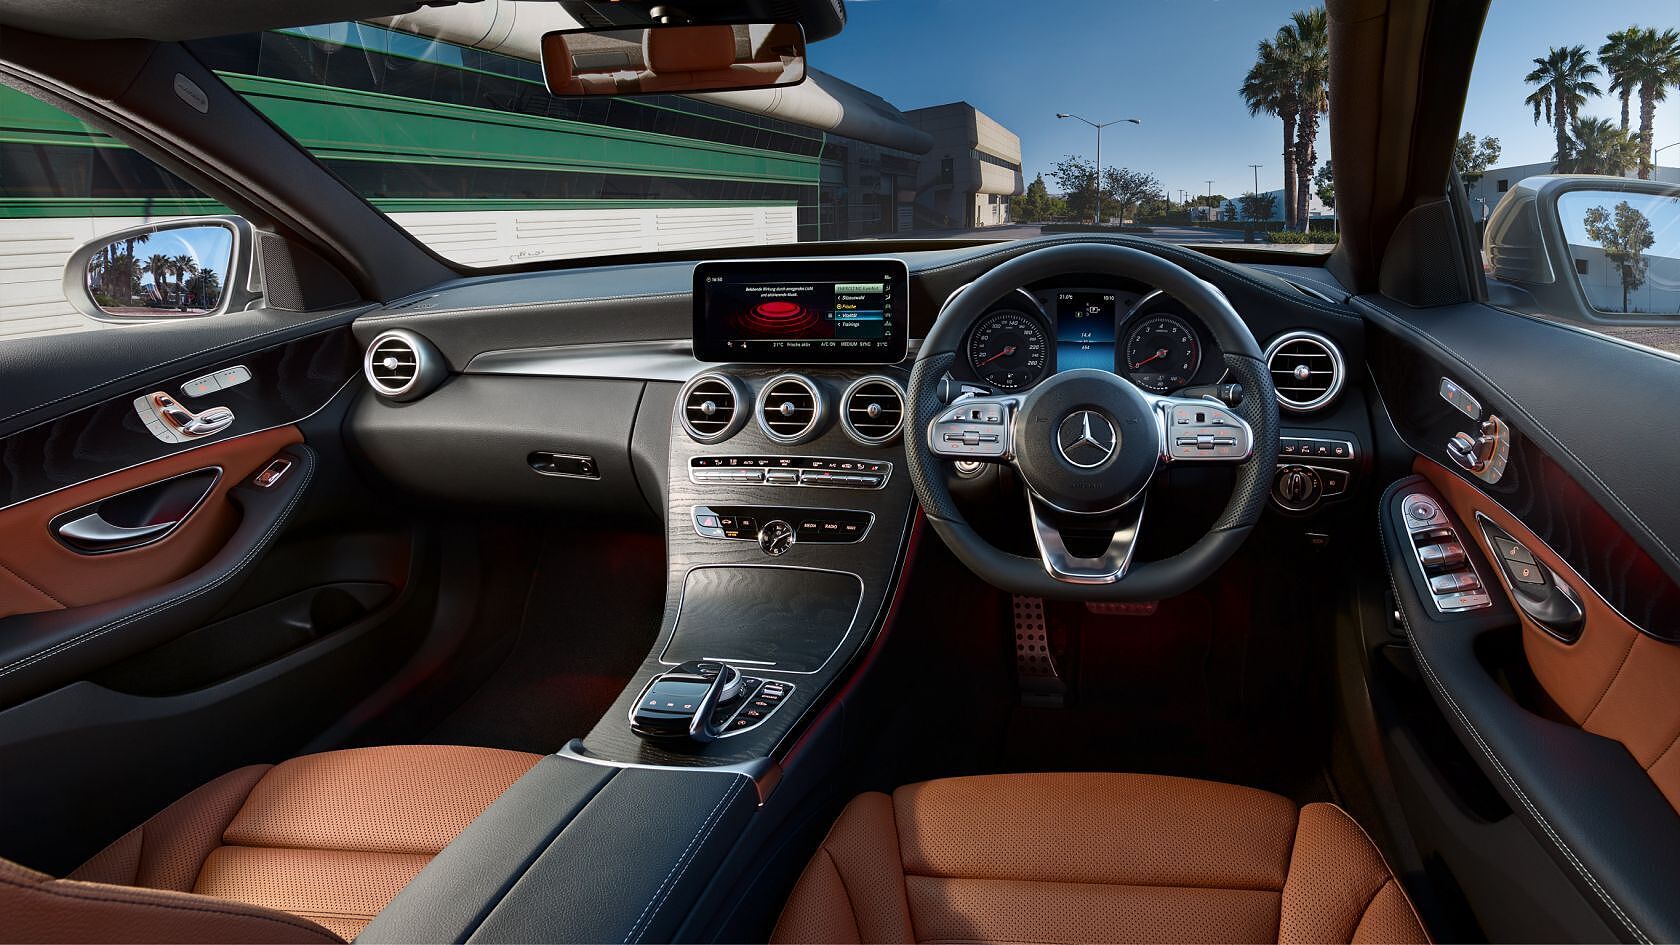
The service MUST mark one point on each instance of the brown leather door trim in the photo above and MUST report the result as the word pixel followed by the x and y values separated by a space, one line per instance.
pixel 50 576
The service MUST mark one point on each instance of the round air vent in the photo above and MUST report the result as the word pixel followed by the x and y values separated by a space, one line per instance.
pixel 872 410
pixel 1307 370
pixel 712 407
pixel 401 365
pixel 790 408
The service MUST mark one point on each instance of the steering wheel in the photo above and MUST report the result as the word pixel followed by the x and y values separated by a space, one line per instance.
pixel 1087 442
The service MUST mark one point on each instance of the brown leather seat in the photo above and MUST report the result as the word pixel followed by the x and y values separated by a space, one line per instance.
pixel 1094 858
pixel 308 850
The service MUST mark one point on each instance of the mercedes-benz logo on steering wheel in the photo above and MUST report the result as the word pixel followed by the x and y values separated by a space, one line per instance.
pixel 1087 439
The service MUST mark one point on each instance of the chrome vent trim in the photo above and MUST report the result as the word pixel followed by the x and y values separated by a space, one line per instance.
pixel 401 365
pixel 712 407
pixel 791 408
pixel 872 410
pixel 1307 370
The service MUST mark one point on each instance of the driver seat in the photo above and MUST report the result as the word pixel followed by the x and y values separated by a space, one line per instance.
pixel 1094 858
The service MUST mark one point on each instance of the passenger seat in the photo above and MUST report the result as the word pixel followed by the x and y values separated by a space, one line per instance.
pixel 309 850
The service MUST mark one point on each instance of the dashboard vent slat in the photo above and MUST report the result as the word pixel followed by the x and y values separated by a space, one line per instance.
pixel 872 410
pixel 401 365
pixel 1306 369
pixel 790 408
pixel 710 407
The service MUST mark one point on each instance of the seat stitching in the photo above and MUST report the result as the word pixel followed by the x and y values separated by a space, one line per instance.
pixel 1393 877
pixel 673 875
pixel 1216 887
pixel 1655 761
pixel 259 547
pixel 1487 751
pixel 86 895
pixel 845 890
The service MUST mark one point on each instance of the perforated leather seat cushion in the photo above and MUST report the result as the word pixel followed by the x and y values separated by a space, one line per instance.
pixel 1094 858
pixel 331 837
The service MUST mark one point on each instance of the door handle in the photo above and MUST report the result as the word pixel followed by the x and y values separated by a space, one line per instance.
pixel 93 532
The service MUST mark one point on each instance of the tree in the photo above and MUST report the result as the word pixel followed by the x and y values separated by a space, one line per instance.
pixel 1562 81
pixel 1653 62
pixel 1229 211
pixel 159 266
pixel 1618 54
pixel 1269 87
pixel 1121 187
pixel 1037 205
pixel 185 268
pixel 1597 146
pixel 1305 44
pixel 1258 207
pixel 1326 181
pixel 1473 158
pixel 1624 237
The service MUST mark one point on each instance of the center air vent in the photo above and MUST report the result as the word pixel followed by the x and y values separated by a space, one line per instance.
pixel 1307 370
pixel 872 410
pixel 790 408
pixel 712 407
pixel 401 365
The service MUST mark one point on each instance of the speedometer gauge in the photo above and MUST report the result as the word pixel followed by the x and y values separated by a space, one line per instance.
pixel 1162 353
pixel 1008 350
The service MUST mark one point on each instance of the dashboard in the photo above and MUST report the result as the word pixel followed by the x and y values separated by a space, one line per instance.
pixel 1135 331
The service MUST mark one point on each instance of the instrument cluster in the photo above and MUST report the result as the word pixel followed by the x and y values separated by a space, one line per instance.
pixel 1145 336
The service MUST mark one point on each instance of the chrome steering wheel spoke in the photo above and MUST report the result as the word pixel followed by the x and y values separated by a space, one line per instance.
pixel 1109 565
pixel 1201 430
pixel 975 428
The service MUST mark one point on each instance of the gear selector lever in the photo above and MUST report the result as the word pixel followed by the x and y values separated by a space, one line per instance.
pixel 681 702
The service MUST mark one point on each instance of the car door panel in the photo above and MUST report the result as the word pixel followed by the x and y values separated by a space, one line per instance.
pixel 59 577
pixel 1578 735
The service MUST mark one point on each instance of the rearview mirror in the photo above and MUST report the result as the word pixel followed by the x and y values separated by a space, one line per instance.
pixel 180 269
pixel 673 59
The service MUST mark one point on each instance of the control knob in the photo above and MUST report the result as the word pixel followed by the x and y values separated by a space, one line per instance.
pixel 1297 488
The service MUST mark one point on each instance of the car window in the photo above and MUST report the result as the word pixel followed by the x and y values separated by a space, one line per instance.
pixel 62 184
pixel 1570 157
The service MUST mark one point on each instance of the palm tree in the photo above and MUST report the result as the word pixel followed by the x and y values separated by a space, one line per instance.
pixel 1305 44
pixel 159 266
pixel 1618 54
pixel 1562 80
pixel 1270 88
pixel 1654 65
pixel 184 266
pixel 1597 146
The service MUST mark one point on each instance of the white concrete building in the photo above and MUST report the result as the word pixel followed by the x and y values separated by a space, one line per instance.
pixel 971 171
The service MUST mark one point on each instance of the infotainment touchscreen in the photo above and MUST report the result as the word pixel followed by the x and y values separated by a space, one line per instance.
pixel 809 311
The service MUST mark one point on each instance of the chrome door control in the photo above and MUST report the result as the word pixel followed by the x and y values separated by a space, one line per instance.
pixel 169 421
pixel 220 380
pixel 1454 585
pixel 273 473
pixel 1461 399
pixel 1485 453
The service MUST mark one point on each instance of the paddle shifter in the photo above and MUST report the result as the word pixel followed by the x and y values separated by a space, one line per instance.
pixel 702 700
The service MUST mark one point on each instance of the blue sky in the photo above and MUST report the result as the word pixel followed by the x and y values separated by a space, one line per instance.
pixel 1177 64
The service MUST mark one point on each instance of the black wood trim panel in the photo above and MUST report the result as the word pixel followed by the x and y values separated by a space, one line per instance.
pixel 1535 488
pixel 289 381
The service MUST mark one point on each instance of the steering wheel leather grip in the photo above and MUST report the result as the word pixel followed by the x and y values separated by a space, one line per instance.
pixel 1147 581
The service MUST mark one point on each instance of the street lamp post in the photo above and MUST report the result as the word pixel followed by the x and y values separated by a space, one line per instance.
pixel 1256 176
pixel 1096 215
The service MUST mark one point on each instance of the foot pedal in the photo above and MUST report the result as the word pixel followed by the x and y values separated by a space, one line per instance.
pixel 1035 663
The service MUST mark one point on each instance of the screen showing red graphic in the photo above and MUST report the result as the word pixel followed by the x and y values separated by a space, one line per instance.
pixel 843 311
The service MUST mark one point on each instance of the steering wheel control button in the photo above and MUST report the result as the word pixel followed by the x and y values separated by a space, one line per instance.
pixel 777 538
pixel 972 429
pixel 1203 430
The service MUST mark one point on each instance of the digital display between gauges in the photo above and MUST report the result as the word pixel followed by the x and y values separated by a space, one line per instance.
pixel 1085 330
pixel 1008 350
pixel 1162 353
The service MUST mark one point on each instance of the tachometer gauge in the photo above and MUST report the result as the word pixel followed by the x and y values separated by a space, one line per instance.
pixel 1162 353
pixel 1008 350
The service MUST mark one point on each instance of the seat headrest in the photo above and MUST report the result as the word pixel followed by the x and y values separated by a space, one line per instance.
pixel 689 49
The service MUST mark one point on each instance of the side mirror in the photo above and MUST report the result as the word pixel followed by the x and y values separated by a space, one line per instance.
pixel 1589 248
pixel 180 269
pixel 659 59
